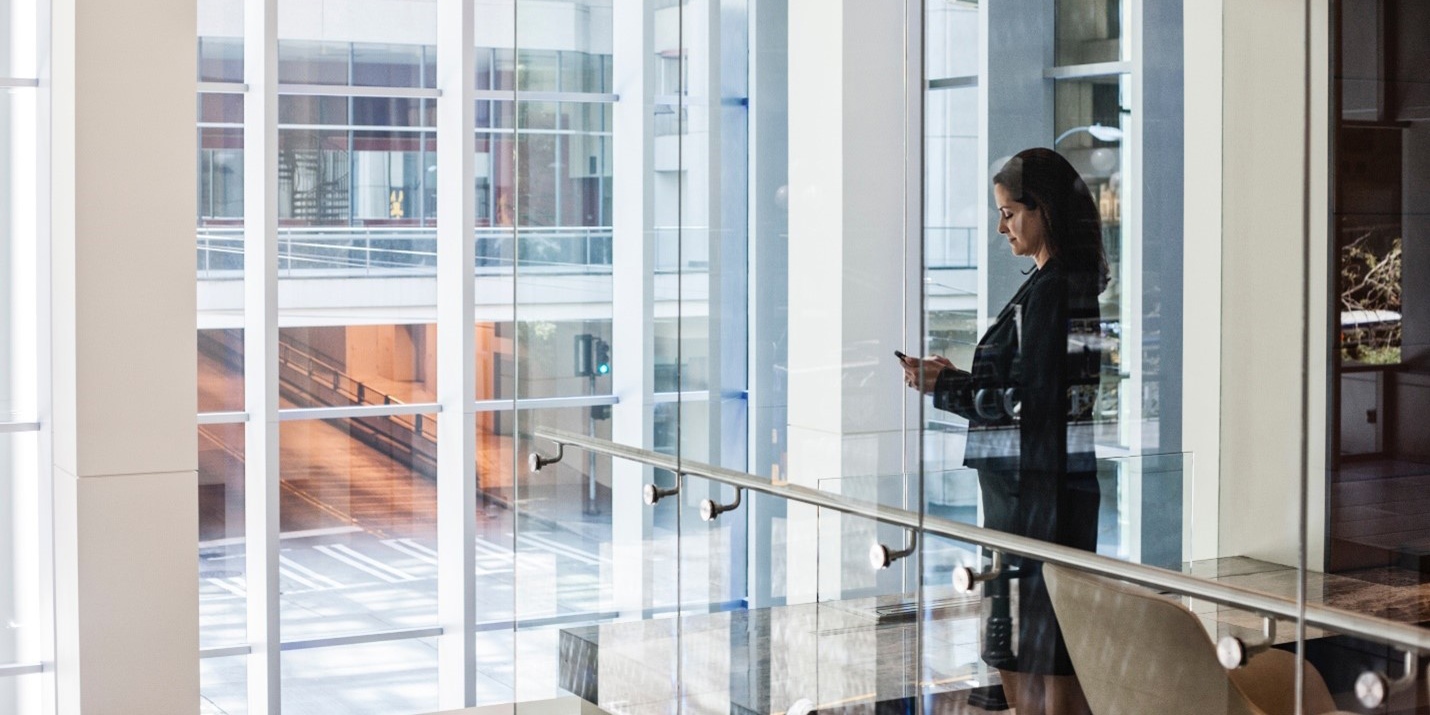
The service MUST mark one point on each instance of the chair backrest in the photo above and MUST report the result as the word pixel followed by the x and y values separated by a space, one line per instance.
pixel 1136 652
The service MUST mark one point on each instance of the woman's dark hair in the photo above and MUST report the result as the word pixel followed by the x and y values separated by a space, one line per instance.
pixel 1042 179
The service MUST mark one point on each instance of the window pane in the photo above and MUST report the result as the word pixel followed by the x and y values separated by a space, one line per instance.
pixel 308 62
pixel 387 65
pixel 1091 31
pixel 24 635
pixel 223 686
pixel 19 570
pixel 222 568
pixel 396 678
pixel 358 515
pixel 309 110
pixel 220 59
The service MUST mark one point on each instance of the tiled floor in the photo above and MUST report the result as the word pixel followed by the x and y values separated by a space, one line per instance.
pixel 1380 515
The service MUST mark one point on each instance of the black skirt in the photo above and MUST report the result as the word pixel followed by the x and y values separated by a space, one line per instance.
pixel 1057 508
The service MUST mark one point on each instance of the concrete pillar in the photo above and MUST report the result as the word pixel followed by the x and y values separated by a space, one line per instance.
pixel 121 87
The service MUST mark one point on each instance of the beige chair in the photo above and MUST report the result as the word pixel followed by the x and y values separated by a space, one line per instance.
pixel 1139 653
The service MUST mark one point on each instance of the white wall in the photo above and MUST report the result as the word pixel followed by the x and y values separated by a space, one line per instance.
pixel 1263 261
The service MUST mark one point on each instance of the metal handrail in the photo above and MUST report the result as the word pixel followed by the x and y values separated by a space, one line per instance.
pixel 1373 628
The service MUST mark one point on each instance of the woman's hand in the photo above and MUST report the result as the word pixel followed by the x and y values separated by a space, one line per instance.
pixel 922 373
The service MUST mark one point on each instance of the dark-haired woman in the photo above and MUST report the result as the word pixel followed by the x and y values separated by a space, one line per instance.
pixel 1028 398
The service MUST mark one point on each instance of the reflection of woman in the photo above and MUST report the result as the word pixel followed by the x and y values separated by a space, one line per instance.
pixel 1027 397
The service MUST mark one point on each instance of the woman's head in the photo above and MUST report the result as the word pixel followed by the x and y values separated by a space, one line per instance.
pixel 1045 208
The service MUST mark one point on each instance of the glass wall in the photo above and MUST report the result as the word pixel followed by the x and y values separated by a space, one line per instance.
pixel 663 272
pixel 26 634
pixel 1376 323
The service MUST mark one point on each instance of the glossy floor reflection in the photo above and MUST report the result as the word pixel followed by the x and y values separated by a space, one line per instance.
pixel 844 654
pixel 870 653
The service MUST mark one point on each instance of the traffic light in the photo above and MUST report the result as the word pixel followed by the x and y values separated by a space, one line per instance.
pixel 593 356
pixel 583 355
pixel 601 361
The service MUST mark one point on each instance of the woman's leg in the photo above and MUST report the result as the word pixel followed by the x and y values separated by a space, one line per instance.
pixel 1013 681
pixel 1063 695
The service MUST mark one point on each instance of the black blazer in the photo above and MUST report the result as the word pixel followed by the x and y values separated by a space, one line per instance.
pixel 1030 391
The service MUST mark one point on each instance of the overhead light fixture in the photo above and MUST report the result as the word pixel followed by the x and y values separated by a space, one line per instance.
pixel 1098 131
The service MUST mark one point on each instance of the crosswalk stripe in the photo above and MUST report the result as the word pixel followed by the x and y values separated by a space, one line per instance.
pixel 418 546
pixel 397 545
pixel 225 585
pixel 310 573
pixel 292 575
pixel 362 563
pixel 493 549
pixel 560 548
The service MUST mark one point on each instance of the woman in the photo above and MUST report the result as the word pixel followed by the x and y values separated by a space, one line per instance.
pixel 1028 400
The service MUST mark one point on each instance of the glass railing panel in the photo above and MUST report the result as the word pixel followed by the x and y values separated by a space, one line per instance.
pixel 970 642
pixel 562 579
pixel 856 644
pixel 596 579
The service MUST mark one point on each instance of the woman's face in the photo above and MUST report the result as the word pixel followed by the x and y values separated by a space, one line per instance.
pixel 1024 227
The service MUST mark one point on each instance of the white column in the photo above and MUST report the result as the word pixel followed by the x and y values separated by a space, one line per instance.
pixel 260 349
pixel 633 302
pixel 121 84
pixel 456 378
pixel 1262 273
pixel 767 281
pixel 846 262
pixel 1202 262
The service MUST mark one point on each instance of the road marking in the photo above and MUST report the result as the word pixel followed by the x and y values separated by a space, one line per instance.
pixel 236 540
pixel 352 558
pixel 225 585
pixel 310 573
pixel 410 550
pixel 560 548
pixel 493 549
pixel 419 546
pixel 293 576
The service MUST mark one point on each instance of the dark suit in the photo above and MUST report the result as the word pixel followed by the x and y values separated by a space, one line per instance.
pixel 1028 400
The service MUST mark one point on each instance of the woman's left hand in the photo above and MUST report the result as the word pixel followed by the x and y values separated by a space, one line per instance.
pixel 922 373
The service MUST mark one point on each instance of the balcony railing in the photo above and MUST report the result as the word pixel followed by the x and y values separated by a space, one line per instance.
pixel 388 251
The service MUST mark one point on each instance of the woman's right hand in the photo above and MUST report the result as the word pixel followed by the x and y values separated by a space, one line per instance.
pixel 922 373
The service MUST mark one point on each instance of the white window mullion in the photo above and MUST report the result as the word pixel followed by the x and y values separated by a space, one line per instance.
pixel 261 471
pixel 456 362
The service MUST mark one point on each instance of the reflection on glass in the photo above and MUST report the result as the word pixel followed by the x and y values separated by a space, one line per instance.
pixel 23 635
pixel 1379 458
pixel 562 161
pixel 1030 397
pixel 1091 31
pixel 220 370
pixel 222 568
pixel 354 365
pixel 593 566
pixel 372 679
pixel 358 505
pixel 223 685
